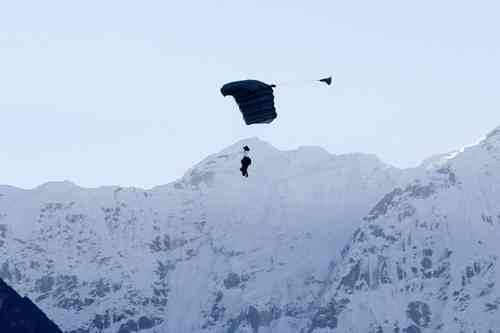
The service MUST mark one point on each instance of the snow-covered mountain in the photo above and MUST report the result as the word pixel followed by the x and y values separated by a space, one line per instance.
pixel 310 242
pixel 425 258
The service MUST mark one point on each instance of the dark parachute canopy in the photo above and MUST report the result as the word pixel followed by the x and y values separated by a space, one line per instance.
pixel 255 99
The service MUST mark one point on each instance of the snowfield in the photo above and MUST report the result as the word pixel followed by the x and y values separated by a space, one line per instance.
pixel 310 242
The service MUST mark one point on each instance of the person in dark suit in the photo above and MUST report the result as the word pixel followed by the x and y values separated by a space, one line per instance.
pixel 245 162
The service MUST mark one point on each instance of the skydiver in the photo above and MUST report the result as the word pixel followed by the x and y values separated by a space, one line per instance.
pixel 245 162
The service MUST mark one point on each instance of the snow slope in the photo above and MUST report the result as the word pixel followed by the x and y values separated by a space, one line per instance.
pixel 425 258
pixel 309 242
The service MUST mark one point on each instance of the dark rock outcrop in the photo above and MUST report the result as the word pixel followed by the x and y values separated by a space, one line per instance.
pixel 19 315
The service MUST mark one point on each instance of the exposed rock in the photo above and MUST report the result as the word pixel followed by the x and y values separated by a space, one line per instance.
pixel 19 315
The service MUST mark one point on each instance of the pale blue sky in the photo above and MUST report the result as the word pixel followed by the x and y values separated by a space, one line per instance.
pixel 127 92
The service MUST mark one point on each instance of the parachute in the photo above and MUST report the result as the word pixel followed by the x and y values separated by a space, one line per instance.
pixel 256 99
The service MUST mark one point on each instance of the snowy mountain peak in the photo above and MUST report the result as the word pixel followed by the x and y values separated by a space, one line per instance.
pixel 489 142
pixel 437 161
pixel 271 164
pixel 309 242
pixel 494 133
pixel 255 144
pixel 57 186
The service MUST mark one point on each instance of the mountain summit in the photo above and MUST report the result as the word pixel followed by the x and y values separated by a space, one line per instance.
pixel 310 242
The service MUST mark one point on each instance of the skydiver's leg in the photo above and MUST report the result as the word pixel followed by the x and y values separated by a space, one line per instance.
pixel 243 169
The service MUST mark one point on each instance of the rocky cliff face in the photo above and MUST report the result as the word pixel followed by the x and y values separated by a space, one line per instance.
pixel 19 315
pixel 425 258
pixel 310 242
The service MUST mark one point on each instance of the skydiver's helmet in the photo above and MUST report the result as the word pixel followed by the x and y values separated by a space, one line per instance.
pixel 246 149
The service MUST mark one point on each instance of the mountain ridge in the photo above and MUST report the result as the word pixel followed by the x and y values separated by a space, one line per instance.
pixel 255 141
pixel 299 246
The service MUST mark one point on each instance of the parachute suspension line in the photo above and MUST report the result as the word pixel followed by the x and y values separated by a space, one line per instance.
pixel 327 80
